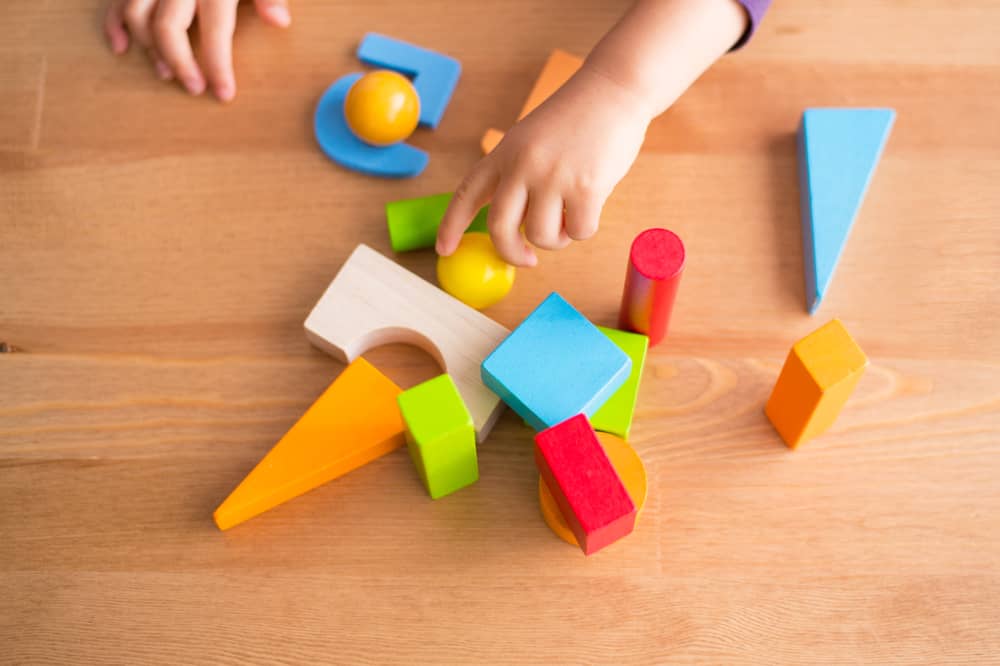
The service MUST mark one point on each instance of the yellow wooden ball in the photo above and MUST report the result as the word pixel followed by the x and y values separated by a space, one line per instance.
pixel 382 108
pixel 475 274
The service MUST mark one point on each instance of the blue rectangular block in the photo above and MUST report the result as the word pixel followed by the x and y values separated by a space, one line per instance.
pixel 555 365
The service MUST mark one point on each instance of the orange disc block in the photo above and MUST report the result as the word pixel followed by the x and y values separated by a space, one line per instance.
pixel 629 467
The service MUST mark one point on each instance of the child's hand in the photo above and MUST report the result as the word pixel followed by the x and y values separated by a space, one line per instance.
pixel 161 26
pixel 553 171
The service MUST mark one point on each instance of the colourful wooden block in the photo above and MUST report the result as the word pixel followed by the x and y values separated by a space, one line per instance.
pixel 557 70
pixel 491 138
pixel 434 75
pixel 630 469
pixel 475 273
pixel 584 483
pixel 818 377
pixel 838 152
pixel 374 301
pixel 655 266
pixel 353 422
pixel 413 223
pixel 339 143
pixel 615 416
pixel 440 436
pixel 555 365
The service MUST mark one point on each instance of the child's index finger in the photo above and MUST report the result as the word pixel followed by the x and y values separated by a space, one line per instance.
pixel 474 193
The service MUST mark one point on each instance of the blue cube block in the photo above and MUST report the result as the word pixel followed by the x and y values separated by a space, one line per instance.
pixel 555 365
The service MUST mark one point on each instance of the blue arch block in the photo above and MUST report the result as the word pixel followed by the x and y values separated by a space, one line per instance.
pixel 343 147
pixel 434 75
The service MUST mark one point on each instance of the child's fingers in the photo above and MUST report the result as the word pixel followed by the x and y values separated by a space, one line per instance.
pixel 114 27
pixel 163 71
pixel 170 28
pixel 474 193
pixel 216 23
pixel 504 222
pixel 583 214
pixel 138 17
pixel 274 12
pixel 543 222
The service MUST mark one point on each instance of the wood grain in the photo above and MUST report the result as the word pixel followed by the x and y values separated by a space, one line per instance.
pixel 22 80
pixel 158 255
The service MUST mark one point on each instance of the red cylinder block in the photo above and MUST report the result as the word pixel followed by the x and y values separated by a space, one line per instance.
pixel 656 262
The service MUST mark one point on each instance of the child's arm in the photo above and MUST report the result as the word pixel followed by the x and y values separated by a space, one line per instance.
pixel 161 27
pixel 555 169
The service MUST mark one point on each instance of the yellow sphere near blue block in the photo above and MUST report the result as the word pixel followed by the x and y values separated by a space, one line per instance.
pixel 475 274
pixel 382 108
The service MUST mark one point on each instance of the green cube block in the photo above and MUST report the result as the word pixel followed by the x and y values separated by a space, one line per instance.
pixel 440 436
pixel 615 416
pixel 413 223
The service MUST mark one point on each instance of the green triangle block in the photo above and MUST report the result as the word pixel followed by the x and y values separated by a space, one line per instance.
pixel 615 416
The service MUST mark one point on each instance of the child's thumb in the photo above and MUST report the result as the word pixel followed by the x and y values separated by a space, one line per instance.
pixel 274 12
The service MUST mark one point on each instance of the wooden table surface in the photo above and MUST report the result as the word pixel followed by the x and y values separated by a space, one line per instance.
pixel 158 255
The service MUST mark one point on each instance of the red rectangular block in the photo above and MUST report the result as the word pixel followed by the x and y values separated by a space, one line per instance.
pixel 584 483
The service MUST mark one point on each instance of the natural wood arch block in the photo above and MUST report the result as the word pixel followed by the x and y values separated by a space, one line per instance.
pixel 374 301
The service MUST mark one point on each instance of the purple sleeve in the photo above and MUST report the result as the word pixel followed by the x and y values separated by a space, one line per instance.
pixel 755 9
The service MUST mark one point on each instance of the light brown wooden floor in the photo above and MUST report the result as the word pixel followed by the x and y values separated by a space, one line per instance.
pixel 158 255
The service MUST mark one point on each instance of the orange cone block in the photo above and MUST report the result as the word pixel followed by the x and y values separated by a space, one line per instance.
pixel 355 421
pixel 818 377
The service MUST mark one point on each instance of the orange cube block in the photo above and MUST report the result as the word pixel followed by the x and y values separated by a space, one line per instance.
pixel 818 377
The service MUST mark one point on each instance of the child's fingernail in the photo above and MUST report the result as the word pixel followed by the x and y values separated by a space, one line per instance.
pixel 118 44
pixel 163 70
pixel 225 91
pixel 280 15
pixel 195 85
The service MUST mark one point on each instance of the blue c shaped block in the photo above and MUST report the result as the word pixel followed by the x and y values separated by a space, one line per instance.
pixel 434 75
pixel 343 147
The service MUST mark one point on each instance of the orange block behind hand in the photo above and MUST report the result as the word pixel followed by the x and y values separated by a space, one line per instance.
pixel 557 70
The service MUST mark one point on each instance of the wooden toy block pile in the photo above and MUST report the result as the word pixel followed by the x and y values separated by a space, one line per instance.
pixel 557 370
pixel 574 383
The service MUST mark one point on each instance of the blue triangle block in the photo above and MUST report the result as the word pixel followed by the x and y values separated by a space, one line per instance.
pixel 838 152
